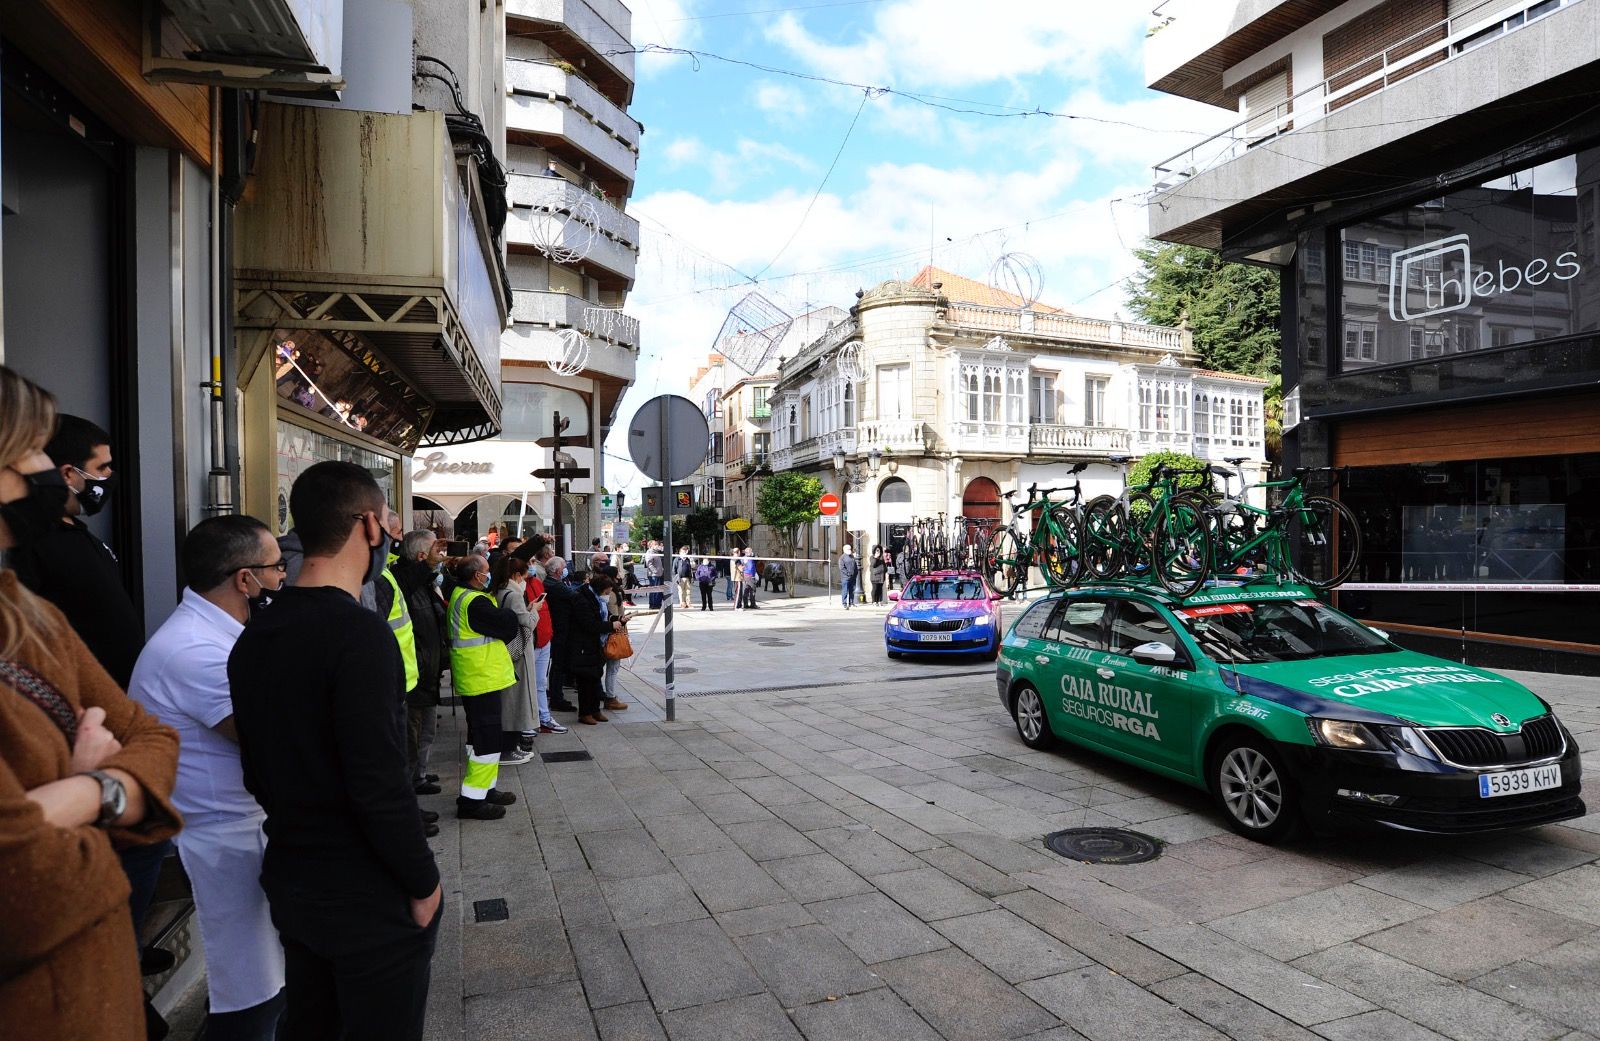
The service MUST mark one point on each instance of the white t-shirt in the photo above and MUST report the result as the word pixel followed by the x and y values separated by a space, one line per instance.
pixel 182 679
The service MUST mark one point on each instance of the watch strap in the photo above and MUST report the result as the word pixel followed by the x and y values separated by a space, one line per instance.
pixel 111 807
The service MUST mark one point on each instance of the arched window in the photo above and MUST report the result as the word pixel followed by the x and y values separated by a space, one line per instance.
pixel 894 502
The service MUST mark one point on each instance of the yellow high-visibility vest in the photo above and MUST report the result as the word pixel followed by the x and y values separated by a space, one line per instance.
pixel 478 664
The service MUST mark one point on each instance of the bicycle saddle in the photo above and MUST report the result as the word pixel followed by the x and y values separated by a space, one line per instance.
pixel 1222 471
pixel 1119 458
pixel 1237 460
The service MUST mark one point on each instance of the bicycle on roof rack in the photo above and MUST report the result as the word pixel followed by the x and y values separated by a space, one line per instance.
pixel 1054 543
pixel 1147 531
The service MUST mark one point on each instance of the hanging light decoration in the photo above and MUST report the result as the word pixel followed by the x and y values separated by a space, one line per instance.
pixel 750 335
pixel 574 353
pixel 1019 275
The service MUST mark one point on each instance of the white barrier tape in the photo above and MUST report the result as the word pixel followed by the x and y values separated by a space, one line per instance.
pixel 635 557
pixel 1466 587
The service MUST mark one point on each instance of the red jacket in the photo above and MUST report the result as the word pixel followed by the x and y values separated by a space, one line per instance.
pixel 543 631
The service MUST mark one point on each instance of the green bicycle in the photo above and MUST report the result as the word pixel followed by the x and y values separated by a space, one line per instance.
pixel 1055 542
pixel 1146 531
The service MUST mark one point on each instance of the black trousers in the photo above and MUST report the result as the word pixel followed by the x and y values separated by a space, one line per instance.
pixel 356 967
pixel 483 723
pixel 705 596
pixel 877 592
pixel 589 691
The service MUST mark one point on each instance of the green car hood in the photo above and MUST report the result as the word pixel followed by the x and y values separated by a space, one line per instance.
pixel 1403 684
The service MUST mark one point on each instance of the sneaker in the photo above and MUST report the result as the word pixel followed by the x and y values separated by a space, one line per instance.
pixel 550 726
pixel 478 810
pixel 500 798
pixel 515 757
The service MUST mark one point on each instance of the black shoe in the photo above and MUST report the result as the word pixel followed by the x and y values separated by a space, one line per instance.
pixel 563 706
pixel 430 830
pixel 427 788
pixel 429 816
pixel 500 798
pixel 478 810
pixel 432 778
pixel 153 961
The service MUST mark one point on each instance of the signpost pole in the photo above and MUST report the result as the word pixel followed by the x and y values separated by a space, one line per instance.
pixel 827 559
pixel 555 464
pixel 667 547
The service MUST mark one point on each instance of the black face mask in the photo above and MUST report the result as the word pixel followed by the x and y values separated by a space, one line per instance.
pixel 377 560
pixel 38 513
pixel 96 490
pixel 262 600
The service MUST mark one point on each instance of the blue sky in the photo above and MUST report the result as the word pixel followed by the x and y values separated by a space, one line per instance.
pixel 734 156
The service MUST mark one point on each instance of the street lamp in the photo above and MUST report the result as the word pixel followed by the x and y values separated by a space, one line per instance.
pixel 858 474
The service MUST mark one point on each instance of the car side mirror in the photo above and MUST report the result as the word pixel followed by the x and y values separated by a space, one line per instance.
pixel 1154 653
pixel 893 595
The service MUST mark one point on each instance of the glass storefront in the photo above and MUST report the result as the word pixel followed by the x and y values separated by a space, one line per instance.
pixel 336 376
pixel 527 411
pixel 299 447
pixel 1507 261
pixel 1517 522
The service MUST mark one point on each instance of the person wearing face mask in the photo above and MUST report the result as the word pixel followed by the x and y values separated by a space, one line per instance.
pixel 82 768
pixel 69 565
pixel 509 586
pixel 351 882
pixel 232 565
pixel 421 555
pixel 481 673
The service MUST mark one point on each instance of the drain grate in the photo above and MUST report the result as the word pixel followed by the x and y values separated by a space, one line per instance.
pixel 1103 845
pixel 565 757
pixel 490 910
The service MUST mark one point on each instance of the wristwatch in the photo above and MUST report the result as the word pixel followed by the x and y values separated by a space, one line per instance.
pixel 113 798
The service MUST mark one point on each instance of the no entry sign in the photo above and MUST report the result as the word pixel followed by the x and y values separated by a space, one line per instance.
pixel 828 505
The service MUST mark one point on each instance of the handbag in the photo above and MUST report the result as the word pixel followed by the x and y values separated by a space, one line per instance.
pixel 617 647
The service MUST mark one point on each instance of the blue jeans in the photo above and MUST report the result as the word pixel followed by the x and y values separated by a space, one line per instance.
pixel 847 593
pixel 727 585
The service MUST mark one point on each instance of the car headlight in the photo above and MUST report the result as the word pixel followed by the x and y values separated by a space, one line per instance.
pixel 1346 733
pixel 894 622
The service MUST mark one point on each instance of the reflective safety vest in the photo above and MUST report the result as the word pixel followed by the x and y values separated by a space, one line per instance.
pixel 400 624
pixel 478 664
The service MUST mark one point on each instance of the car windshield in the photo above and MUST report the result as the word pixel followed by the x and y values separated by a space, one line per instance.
pixel 944 589
pixel 1279 630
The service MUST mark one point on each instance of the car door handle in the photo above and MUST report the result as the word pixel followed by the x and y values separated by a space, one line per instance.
pixel 1042 659
pixel 1104 673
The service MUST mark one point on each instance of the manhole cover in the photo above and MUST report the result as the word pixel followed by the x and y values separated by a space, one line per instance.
pixel 773 643
pixel 863 668
pixel 565 757
pixel 1103 845
pixel 678 670
pixel 494 910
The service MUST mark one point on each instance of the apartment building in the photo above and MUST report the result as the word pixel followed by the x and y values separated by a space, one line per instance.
pixel 705 390
pixel 1425 175
pixel 935 396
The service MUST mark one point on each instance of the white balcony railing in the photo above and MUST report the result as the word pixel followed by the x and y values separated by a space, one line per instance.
pixel 563 311
pixel 603 25
pixel 841 440
pixel 559 195
pixel 904 436
pixel 1070 327
pixel 989 438
pixel 546 99
pixel 1055 439
pixel 1441 42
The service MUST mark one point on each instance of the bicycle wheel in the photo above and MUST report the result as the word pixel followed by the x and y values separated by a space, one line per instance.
pixel 1105 527
pixel 1063 548
pixel 1140 535
pixel 1005 562
pixel 1181 547
pixel 1324 542
pixel 1231 531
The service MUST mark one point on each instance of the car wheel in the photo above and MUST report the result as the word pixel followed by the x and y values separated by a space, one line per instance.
pixel 1254 790
pixel 1033 725
pixel 994 650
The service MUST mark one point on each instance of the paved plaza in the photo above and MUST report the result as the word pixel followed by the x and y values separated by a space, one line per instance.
pixel 843 853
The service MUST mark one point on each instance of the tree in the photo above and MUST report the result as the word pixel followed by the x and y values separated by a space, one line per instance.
pixel 702 525
pixel 647 526
pixel 1232 309
pixel 786 501
pixel 1188 465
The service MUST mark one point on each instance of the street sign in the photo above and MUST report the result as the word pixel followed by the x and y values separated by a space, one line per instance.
pixel 828 520
pixel 828 504
pixel 568 473
pixel 667 438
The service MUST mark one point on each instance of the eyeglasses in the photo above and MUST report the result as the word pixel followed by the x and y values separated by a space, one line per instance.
pixel 281 567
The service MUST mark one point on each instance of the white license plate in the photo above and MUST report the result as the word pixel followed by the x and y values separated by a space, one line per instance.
pixel 1515 782
pixel 936 638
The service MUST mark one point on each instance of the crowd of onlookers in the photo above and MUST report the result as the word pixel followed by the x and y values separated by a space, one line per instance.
pixel 275 730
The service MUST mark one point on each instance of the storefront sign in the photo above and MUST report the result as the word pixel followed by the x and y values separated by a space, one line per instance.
pixel 1448 281
pixel 438 463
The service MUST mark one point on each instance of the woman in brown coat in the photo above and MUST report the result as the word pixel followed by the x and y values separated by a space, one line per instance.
pixel 68 960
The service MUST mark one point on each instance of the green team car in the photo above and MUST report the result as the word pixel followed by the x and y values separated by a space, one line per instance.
pixel 1286 711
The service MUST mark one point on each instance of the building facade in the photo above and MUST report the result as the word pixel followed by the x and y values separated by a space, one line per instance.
pixel 1422 179
pixel 918 403
pixel 710 480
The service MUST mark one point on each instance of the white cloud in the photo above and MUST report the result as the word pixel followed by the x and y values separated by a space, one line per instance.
pixel 781 101
pixel 683 151
pixel 670 23
pixel 942 43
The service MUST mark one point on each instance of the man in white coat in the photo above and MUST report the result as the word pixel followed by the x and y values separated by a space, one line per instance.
pixel 232 566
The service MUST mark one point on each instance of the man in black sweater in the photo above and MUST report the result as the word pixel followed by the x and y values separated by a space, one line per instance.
pixel 316 680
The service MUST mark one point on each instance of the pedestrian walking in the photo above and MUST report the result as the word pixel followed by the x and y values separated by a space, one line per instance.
pixel 878 573
pixel 518 722
pixel 481 673
pixel 232 563
pixel 747 596
pixel 849 571
pixel 316 684
pixel 705 576
pixel 683 571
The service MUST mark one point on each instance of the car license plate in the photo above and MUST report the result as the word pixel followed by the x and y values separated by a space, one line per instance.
pixel 936 638
pixel 1515 782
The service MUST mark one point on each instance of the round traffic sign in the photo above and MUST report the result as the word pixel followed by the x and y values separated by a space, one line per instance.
pixel 678 422
pixel 828 505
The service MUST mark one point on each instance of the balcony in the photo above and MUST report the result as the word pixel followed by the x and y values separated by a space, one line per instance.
pixel 1078 329
pixel 901 436
pixel 563 311
pixel 1051 439
pixel 548 102
pixel 523 342
pixel 555 213
pixel 1382 117
pixel 600 29
pixel 989 437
